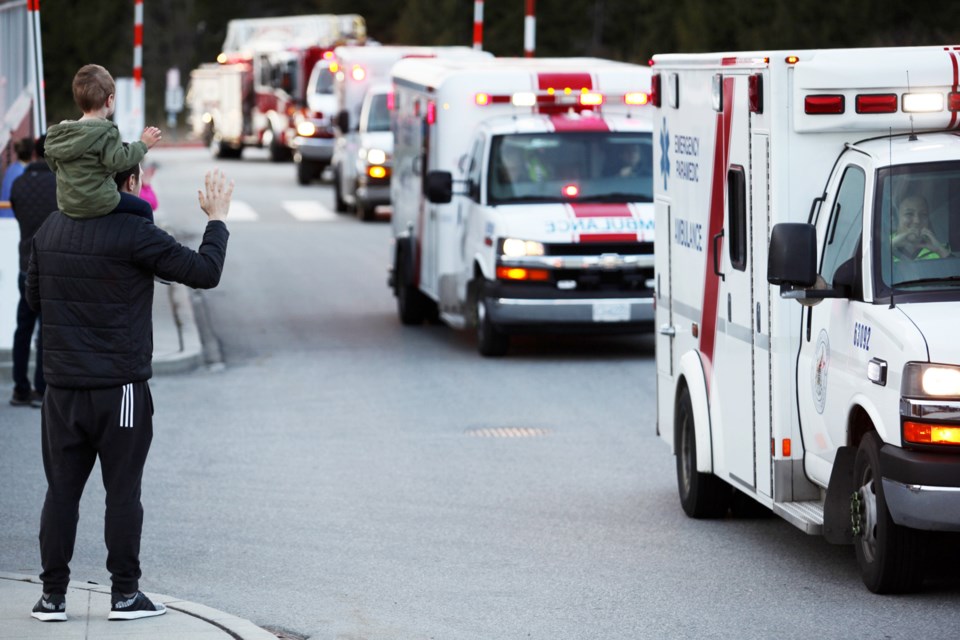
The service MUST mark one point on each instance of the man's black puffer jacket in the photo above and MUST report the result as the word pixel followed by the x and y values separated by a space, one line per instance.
pixel 92 281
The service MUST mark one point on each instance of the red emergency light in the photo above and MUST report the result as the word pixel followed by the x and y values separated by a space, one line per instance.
pixel 877 103
pixel 755 93
pixel 655 90
pixel 391 101
pixel 431 112
pixel 823 104
pixel 953 101
pixel 571 190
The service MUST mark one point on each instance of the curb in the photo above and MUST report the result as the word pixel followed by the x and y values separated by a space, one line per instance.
pixel 237 627
pixel 189 355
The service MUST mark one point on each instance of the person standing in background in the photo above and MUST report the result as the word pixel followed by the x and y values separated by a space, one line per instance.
pixel 146 188
pixel 24 150
pixel 33 197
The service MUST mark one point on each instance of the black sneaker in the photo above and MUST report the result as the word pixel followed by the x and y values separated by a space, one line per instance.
pixel 21 398
pixel 134 607
pixel 36 399
pixel 52 609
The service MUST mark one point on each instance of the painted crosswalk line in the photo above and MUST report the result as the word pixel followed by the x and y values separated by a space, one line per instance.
pixel 308 211
pixel 240 211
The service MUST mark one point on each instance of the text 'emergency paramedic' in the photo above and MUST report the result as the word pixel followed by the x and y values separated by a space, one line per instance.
pixel 687 146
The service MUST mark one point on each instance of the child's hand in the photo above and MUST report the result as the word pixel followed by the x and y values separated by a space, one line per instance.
pixel 151 136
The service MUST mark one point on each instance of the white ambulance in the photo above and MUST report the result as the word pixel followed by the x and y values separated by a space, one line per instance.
pixel 834 174
pixel 363 148
pixel 522 196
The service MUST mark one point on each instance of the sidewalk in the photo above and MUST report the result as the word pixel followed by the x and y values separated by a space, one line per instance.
pixel 87 609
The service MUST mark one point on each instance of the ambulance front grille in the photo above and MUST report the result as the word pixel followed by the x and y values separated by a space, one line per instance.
pixel 599 248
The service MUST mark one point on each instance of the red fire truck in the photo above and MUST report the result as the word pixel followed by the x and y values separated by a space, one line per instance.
pixel 251 97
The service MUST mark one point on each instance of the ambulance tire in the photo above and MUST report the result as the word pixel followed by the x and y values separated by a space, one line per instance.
pixel 889 555
pixel 278 152
pixel 364 211
pixel 339 204
pixel 702 495
pixel 411 303
pixel 308 171
pixel 491 341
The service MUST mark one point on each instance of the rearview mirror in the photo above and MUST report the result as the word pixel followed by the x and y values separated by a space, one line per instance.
pixel 792 259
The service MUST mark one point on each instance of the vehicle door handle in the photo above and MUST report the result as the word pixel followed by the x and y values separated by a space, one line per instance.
pixel 668 330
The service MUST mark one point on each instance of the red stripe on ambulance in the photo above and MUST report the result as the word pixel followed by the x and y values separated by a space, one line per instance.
pixel 711 290
pixel 587 123
pixel 602 210
pixel 608 237
pixel 956 73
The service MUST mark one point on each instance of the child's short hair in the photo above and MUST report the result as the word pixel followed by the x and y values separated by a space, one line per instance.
pixel 92 86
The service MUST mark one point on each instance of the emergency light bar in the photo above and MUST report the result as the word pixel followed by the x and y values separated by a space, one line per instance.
pixel 867 103
pixel 358 73
pixel 563 99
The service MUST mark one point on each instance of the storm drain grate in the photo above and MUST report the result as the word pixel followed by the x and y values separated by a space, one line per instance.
pixel 507 432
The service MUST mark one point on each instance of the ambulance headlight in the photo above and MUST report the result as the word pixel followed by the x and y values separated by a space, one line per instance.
pixel 306 129
pixel 516 248
pixel 928 380
pixel 376 156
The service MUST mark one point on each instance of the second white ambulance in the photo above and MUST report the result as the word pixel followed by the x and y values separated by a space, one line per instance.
pixel 522 196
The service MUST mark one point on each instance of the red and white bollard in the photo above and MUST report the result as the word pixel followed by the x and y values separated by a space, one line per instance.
pixel 529 29
pixel 36 67
pixel 137 43
pixel 478 24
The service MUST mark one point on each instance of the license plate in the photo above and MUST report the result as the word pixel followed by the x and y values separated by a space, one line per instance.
pixel 611 311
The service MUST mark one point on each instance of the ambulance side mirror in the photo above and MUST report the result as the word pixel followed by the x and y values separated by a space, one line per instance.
pixel 792 259
pixel 439 187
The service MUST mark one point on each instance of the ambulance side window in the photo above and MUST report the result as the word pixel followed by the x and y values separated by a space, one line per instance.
pixel 846 223
pixel 475 170
pixel 737 217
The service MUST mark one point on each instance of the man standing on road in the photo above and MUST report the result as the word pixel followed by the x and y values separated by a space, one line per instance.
pixel 33 198
pixel 92 279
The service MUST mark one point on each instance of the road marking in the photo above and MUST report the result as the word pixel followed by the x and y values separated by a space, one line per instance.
pixel 309 211
pixel 240 211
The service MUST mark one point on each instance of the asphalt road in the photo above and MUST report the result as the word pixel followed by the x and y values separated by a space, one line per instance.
pixel 340 475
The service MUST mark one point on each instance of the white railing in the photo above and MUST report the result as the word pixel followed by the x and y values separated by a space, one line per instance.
pixel 14 66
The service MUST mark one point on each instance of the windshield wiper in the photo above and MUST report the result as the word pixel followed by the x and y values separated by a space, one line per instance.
pixel 922 281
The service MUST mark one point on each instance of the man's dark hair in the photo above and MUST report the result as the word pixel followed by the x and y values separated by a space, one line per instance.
pixel 39 145
pixel 24 149
pixel 121 177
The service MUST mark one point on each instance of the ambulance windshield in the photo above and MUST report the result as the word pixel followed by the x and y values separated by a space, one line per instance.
pixel 594 166
pixel 321 80
pixel 917 227
pixel 377 114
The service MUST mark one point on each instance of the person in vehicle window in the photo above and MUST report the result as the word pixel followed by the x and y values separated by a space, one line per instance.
pixel 632 164
pixel 914 239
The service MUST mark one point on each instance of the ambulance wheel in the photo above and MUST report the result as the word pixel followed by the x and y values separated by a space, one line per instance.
pixel 339 203
pixel 307 172
pixel 278 152
pixel 702 495
pixel 411 303
pixel 889 555
pixel 491 341
pixel 364 211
